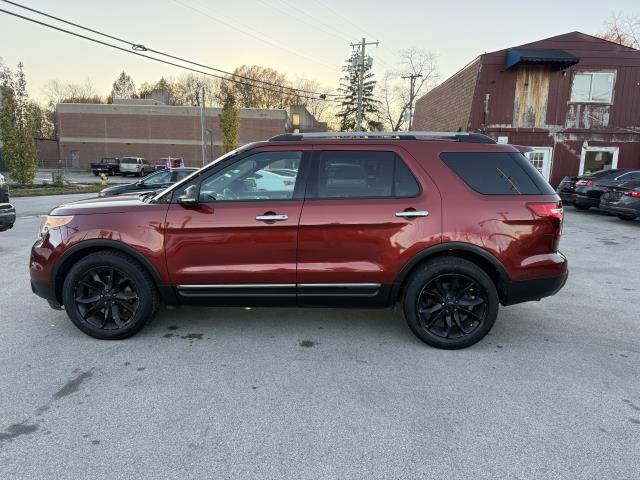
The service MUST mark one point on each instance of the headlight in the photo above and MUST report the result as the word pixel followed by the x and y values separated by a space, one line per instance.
pixel 1 178
pixel 52 221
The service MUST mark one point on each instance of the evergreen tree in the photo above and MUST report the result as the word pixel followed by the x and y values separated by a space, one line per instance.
pixel 349 89
pixel 229 125
pixel 16 126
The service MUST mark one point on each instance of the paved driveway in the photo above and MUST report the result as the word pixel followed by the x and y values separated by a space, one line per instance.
pixel 552 392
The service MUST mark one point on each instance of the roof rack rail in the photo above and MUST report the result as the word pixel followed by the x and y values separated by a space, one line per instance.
pixel 410 135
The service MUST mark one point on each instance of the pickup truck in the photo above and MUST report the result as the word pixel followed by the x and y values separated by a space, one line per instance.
pixel 7 211
pixel 110 166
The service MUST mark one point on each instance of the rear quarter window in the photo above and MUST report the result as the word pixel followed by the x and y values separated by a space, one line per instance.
pixel 497 173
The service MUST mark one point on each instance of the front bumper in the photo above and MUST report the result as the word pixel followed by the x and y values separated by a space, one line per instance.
pixel 7 216
pixel 617 209
pixel 46 290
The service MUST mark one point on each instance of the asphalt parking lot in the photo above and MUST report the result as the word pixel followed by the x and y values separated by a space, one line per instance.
pixel 552 392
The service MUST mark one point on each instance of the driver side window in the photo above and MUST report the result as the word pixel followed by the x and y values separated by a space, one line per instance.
pixel 262 176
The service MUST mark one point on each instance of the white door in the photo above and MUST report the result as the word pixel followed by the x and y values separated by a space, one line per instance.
pixel 540 157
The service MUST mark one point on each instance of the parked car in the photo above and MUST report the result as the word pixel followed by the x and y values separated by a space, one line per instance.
pixel 153 182
pixel 448 225
pixel 270 180
pixel 136 166
pixel 567 190
pixel 623 200
pixel 7 211
pixel 110 166
pixel 589 188
pixel 170 163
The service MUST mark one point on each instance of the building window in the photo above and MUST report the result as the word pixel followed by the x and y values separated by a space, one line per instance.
pixel 592 87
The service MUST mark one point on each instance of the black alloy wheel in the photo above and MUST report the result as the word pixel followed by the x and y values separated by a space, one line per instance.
pixel 450 302
pixel 452 306
pixel 109 295
pixel 106 298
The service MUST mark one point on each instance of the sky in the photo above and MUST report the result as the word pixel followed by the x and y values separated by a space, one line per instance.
pixel 299 38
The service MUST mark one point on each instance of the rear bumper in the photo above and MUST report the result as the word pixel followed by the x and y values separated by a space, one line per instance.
pixel 585 201
pixel 567 198
pixel 7 216
pixel 535 289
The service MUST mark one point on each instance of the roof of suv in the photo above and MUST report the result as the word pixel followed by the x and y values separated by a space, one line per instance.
pixel 409 135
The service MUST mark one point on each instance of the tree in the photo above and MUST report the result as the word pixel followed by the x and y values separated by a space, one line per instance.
pixel 229 125
pixel 16 129
pixel 59 92
pixel 123 87
pixel 42 121
pixel 395 91
pixel 349 90
pixel 187 90
pixel 623 29
pixel 257 95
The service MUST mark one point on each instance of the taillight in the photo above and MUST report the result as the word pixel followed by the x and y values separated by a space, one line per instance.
pixel 584 183
pixel 553 212
pixel 632 194
pixel 287 183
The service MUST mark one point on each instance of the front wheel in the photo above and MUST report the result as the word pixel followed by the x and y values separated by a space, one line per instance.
pixel 581 207
pixel 626 217
pixel 450 303
pixel 109 296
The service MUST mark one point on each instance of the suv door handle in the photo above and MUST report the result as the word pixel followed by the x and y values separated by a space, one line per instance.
pixel 412 213
pixel 272 218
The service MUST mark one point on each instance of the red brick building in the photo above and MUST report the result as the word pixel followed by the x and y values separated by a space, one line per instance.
pixel 149 129
pixel 574 98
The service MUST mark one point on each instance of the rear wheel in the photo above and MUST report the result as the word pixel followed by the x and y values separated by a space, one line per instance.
pixel 450 303
pixel 109 296
pixel 626 217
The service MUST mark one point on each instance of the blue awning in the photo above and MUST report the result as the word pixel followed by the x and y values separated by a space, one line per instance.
pixel 558 59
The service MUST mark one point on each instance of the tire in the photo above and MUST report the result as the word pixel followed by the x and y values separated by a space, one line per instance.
pixel 626 217
pixel 132 301
pixel 447 320
pixel 581 207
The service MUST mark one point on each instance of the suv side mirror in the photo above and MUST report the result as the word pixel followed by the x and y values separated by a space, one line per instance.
pixel 189 198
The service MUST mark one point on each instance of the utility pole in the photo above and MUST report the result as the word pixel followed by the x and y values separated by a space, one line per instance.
pixel 412 77
pixel 202 128
pixel 361 64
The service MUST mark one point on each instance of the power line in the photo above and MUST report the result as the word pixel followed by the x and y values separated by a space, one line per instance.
pixel 135 52
pixel 140 47
pixel 252 34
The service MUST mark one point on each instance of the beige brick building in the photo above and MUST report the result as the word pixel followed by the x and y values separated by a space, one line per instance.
pixel 146 128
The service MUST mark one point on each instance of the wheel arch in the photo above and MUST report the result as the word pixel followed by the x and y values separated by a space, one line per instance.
pixel 477 255
pixel 87 247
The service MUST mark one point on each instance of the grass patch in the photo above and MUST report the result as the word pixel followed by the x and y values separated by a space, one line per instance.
pixel 40 190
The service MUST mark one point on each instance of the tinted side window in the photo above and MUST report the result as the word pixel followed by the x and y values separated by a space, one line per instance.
pixel 363 174
pixel 405 184
pixel 497 173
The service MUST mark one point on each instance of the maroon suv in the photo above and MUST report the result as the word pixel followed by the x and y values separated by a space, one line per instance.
pixel 450 225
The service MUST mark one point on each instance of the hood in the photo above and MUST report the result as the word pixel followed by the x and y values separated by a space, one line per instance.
pixel 116 204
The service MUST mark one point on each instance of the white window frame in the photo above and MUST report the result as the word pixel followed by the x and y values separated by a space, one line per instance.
pixel 592 73
pixel 583 156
